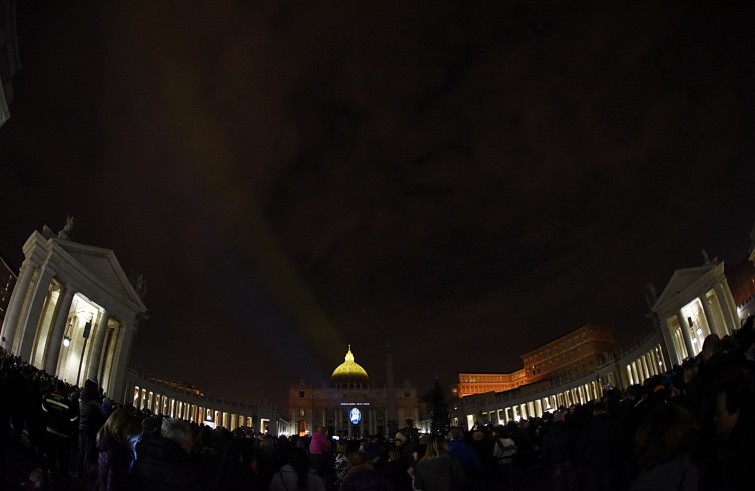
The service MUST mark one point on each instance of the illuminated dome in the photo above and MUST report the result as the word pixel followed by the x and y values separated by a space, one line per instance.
pixel 349 371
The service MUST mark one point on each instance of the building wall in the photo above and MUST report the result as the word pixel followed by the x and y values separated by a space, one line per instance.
pixel 8 278
pixel 580 351
pixel 311 407
pixel 633 366
pixel 73 312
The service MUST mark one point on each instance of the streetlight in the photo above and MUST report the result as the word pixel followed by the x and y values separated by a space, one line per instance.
pixel 66 341
pixel 87 330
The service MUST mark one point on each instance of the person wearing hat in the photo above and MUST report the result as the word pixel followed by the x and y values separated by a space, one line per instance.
pixel 410 432
pixel 91 420
pixel 406 450
pixel 61 422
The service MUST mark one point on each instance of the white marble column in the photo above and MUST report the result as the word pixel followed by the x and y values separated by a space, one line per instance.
pixel 685 334
pixel 30 319
pixel 93 367
pixel 120 361
pixel 713 326
pixel 59 322
pixel 728 309
pixel 16 303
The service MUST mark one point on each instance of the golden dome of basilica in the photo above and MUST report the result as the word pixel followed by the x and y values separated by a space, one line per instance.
pixel 349 371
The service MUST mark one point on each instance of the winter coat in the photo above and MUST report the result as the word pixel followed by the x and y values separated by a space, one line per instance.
pixel 365 478
pixel 442 473
pixel 162 465
pixel 113 464
pixel 320 444
pixel 286 478
pixel 679 474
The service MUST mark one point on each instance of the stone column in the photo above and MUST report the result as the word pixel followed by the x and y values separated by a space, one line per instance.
pixel 728 309
pixel 93 367
pixel 30 320
pixel 710 319
pixel 685 334
pixel 137 401
pixel 120 361
pixel 58 330
pixel 16 304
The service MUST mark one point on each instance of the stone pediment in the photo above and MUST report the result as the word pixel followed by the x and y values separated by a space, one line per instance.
pixel 680 281
pixel 103 264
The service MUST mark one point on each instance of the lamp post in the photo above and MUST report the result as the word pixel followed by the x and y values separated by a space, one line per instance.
pixel 87 330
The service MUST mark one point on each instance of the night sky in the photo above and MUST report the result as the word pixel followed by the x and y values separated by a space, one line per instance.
pixel 464 180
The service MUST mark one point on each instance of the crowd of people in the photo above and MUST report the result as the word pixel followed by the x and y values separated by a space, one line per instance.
pixel 689 429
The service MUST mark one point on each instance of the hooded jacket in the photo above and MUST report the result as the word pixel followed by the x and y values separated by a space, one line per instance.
pixel 442 473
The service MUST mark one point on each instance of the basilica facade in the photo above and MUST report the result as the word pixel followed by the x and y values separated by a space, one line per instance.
pixel 352 406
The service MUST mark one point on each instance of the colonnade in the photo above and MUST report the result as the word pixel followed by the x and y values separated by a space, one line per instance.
pixel 645 366
pixel 516 410
pixel 190 405
pixel 638 365
pixel 167 405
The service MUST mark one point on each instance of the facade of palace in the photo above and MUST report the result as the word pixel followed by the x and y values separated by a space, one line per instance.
pixel 580 351
pixel 353 407
pixel 579 367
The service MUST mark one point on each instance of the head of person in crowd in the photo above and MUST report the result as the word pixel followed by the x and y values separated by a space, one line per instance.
pixel 733 402
pixel 267 444
pixel 400 439
pixel 178 431
pixel 455 433
pixel 89 391
pixel 435 447
pixel 298 458
pixel 711 346
pixel 357 459
pixel 122 427
pixel 666 433
pixel 150 426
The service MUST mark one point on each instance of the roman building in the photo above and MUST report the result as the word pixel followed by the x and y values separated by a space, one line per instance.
pixel 353 406
pixel 581 366
pixel 73 312
pixel 580 351
pixel 695 303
